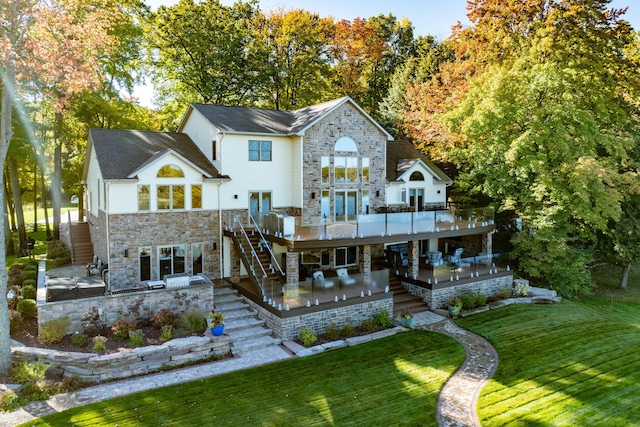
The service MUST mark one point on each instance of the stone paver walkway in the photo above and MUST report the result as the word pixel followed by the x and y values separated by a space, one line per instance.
pixel 457 402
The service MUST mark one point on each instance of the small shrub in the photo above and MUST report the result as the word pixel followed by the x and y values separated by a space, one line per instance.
pixel 348 331
pixel 481 299
pixel 382 319
pixel 32 265
pixel 57 249
pixel 136 338
pixel 194 322
pixel 166 333
pixel 503 294
pixel 30 274
pixel 79 339
pixel 368 326
pixel 92 325
pixel 53 331
pixel 30 372
pixel 59 262
pixel 9 401
pixel 16 278
pixel 29 282
pixel 454 301
pixel 15 321
pixel 99 343
pixel 27 309
pixel 121 329
pixel 522 289
pixel 28 291
pixel 16 269
pixel 332 332
pixel 308 336
pixel 165 317
pixel 468 302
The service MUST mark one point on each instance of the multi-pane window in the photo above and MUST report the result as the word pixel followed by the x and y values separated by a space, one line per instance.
pixel 144 198
pixel 196 196
pixel 365 169
pixel 352 169
pixel 170 197
pixel 196 258
pixel 324 169
pixel 346 169
pixel 346 256
pixel 259 151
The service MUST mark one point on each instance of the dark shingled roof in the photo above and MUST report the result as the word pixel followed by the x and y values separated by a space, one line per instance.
pixel 122 152
pixel 401 155
pixel 261 121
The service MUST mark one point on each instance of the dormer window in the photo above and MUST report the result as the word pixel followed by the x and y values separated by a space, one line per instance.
pixel 416 176
pixel 170 171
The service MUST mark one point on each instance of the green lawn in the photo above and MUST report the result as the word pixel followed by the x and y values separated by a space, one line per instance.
pixel 394 381
pixel 569 364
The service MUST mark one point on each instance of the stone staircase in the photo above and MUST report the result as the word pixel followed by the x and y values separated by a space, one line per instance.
pixel 243 327
pixel 403 300
pixel 82 249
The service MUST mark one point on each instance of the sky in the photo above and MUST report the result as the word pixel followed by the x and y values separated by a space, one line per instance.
pixel 429 17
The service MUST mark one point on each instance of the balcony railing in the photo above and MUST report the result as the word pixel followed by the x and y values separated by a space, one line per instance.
pixel 382 224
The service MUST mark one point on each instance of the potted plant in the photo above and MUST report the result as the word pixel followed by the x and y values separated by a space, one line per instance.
pixel 406 318
pixel 217 323
pixel 455 305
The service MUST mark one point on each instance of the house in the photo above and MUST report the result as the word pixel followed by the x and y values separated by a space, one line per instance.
pixel 324 188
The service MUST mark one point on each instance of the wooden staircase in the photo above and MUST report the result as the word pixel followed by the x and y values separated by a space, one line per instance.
pixel 245 249
pixel 81 247
pixel 264 256
pixel 403 300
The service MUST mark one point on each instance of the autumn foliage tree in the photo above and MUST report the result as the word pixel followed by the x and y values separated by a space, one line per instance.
pixel 539 111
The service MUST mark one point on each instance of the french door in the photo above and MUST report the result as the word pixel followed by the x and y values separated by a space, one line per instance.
pixel 346 205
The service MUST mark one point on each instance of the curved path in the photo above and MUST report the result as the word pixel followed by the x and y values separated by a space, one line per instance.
pixel 457 402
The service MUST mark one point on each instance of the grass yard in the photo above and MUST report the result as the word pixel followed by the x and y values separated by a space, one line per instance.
pixel 569 364
pixel 393 381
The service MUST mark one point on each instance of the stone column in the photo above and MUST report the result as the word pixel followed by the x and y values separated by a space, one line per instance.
pixel 293 267
pixel 365 261
pixel 487 244
pixel 414 258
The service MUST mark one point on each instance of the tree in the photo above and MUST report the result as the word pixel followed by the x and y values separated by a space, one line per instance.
pixel 206 52
pixel 299 66
pixel 55 46
pixel 540 116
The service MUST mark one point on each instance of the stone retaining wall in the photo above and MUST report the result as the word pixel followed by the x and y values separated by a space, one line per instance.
pixel 124 364
pixel 287 326
pixel 438 296
pixel 137 306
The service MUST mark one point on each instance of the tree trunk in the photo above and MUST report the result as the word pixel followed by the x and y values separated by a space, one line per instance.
pixel 6 134
pixel 56 185
pixel 43 191
pixel 17 203
pixel 35 197
pixel 11 212
pixel 625 276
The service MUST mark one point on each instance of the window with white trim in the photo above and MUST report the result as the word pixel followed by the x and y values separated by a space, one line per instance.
pixel 259 151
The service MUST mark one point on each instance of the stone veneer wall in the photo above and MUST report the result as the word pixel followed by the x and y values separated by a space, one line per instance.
pixel 124 364
pixel 288 326
pixel 320 139
pixel 154 229
pixel 440 294
pixel 136 306
pixel 98 232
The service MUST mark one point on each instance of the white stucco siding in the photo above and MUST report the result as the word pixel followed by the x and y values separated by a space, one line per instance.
pixel 203 133
pixel 247 176
pixel 123 196
pixel 94 176
pixel 431 188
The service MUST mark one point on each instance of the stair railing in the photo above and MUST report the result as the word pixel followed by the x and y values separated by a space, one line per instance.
pixel 265 244
pixel 254 256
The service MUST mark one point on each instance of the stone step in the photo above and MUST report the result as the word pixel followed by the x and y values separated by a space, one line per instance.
pixel 235 324
pixel 239 314
pixel 247 333
pixel 263 341
pixel 226 298
pixel 227 307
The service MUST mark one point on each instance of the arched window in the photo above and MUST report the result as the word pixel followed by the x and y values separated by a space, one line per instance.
pixel 170 171
pixel 345 144
pixel 416 176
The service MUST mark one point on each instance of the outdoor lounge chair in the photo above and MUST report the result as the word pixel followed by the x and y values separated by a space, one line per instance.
pixel 320 281
pixel 343 274
pixel 434 258
pixel 454 259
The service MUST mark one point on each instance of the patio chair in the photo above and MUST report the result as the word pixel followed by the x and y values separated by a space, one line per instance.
pixel 343 274
pixel 434 258
pixel 94 268
pixel 454 258
pixel 320 281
